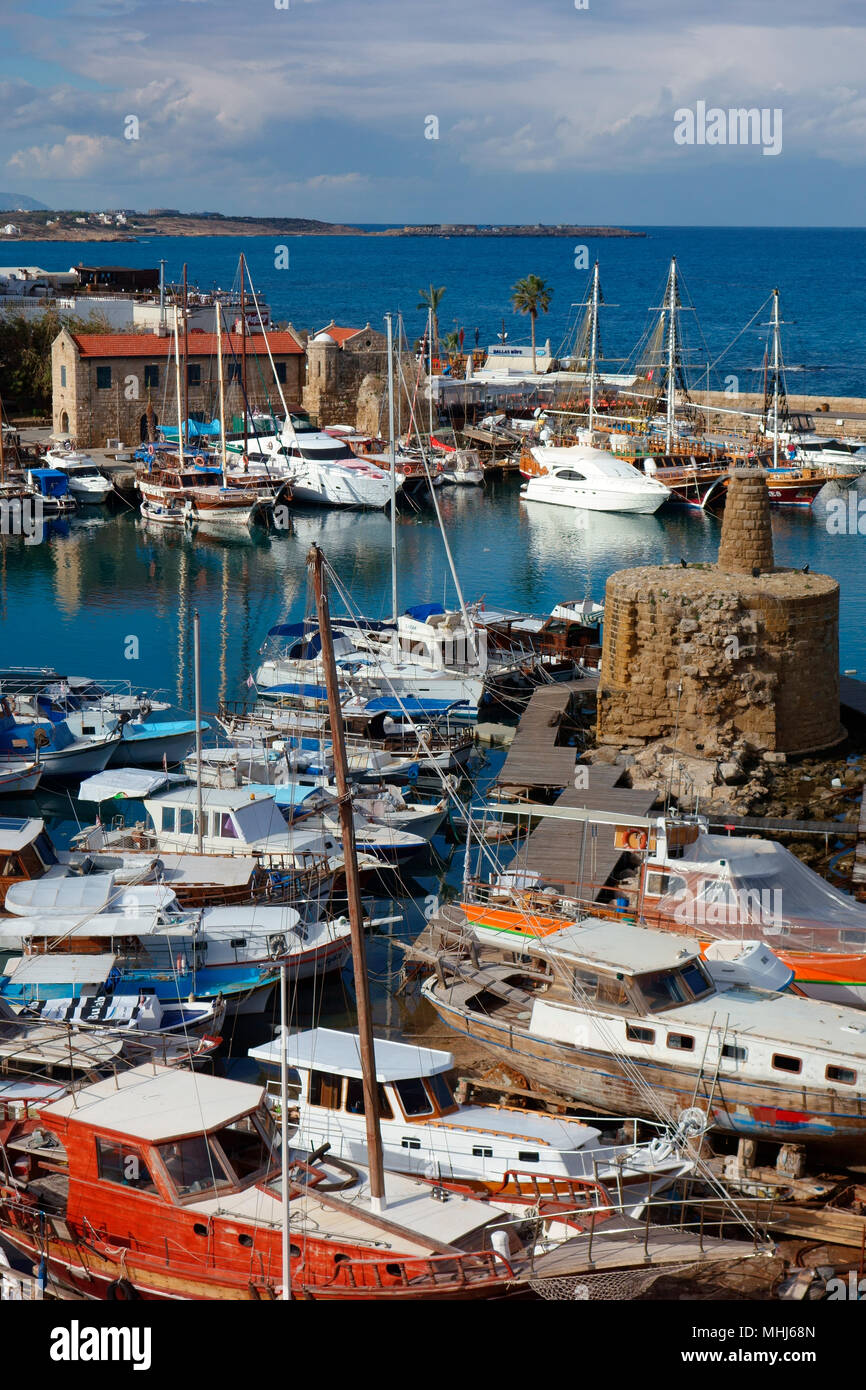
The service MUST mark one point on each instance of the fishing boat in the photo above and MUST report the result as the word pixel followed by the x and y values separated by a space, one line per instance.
pixel 102 1025
pixel 142 743
pixel 160 1160
pixel 53 745
pixel 50 489
pixel 632 1020
pixel 18 775
pixel 462 469
pixel 592 480
pixel 427 1133
pixel 228 952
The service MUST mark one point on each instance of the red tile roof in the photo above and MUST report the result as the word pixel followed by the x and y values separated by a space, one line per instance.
pixel 200 344
pixel 339 335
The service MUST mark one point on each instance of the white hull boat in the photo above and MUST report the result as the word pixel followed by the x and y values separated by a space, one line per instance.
pixel 592 480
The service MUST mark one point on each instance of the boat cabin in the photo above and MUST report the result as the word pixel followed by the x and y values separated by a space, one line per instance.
pixel 26 851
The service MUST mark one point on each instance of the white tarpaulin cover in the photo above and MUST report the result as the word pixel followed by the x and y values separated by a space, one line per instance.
pixel 730 887
pixel 124 783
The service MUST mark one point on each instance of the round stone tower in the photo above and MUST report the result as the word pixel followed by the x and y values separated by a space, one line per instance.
pixel 740 652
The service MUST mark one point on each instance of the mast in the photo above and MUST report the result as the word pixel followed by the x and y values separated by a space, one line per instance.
pixel 222 394
pixel 776 336
pixel 430 360
pixel 672 355
pixel 243 267
pixel 196 652
pixel 284 1129
pixel 179 393
pixel 593 352
pixel 185 363
pixel 392 463
pixel 2 451
pixel 315 560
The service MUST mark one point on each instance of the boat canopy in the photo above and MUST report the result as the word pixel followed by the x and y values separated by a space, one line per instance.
pixel 49 482
pixel 330 1050
pixel 422 611
pixel 86 893
pixel 61 969
pixel 401 705
pixel 125 783
pixel 17 832
pixel 156 1103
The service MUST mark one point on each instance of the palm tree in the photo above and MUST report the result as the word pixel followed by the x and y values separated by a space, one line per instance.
pixel 529 296
pixel 452 343
pixel 431 299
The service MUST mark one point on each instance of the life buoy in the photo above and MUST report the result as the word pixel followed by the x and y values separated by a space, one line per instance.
pixel 637 839
pixel 151 450
pixel 199 461
pixel 121 1291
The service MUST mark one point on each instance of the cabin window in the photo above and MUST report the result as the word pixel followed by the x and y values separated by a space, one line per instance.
pixel 11 867
pixel 696 980
pixel 167 819
pixel 528 1156
pixel 853 938
pixel 635 1034
pixel 228 830
pixel 681 1042
pixel 481 1151
pixel 193 1166
pixel 732 1053
pixel 841 1074
pixel 124 1165
pixel 659 884
pixel 413 1097
pixel 355 1099
pixel 441 1091
pixel 782 1062
pixel 151 375
pixel 571 475
pixel 103 378
pixel 44 849
pixel 247 1151
pixel 410 1143
pixel 186 821
pixel 663 990
pixel 326 1089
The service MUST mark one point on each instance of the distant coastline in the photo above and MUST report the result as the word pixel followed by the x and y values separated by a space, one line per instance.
pixel 83 226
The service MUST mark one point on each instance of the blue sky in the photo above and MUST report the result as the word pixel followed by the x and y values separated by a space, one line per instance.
pixel 545 112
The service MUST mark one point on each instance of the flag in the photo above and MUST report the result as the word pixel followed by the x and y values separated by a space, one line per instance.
pixel 460 336
pixel 250 682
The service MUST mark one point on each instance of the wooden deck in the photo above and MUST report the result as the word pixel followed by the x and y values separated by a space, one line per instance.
pixel 580 856
pixel 625 1244
pixel 535 758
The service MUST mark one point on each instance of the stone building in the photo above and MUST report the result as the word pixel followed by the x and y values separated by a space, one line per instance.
pixel 102 383
pixel 346 372
pixel 727 656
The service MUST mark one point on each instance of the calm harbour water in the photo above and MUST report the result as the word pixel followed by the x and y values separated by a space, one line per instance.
pixel 75 600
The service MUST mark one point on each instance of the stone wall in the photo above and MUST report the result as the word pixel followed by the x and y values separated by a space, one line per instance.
pixel 757 659
pixel 91 414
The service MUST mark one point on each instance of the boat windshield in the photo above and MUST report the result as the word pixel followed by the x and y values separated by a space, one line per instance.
pixel 666 989
pixel 240 1153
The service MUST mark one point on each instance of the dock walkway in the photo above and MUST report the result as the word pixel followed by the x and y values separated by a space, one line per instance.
pixel 535 758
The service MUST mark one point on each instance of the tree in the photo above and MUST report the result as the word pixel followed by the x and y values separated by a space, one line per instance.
pixel 452 343
pixel 25 355
pixel 531 296
pixel 431 299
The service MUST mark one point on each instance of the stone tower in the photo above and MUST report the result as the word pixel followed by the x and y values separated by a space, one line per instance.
pixel 716 655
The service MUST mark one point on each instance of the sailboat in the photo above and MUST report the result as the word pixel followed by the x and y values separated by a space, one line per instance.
pixel 194 495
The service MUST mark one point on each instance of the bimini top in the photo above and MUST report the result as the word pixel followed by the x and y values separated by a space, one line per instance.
pixel 156 1103
pixel 326 1049
pixel 17 832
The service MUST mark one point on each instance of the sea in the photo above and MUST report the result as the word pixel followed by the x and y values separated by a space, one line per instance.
pixel 106 596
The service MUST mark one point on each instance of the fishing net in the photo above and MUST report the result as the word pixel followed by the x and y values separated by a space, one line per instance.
pixel 601 1288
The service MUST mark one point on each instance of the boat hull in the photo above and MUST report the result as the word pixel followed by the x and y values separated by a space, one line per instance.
pixel 754 1110
pixel 594 500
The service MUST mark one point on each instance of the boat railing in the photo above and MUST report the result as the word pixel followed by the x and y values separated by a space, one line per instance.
pixel 458 1270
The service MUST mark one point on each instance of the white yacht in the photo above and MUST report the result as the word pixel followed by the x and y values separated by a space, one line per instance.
pixel 591 480
pixel 321 468
pixel 86 483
